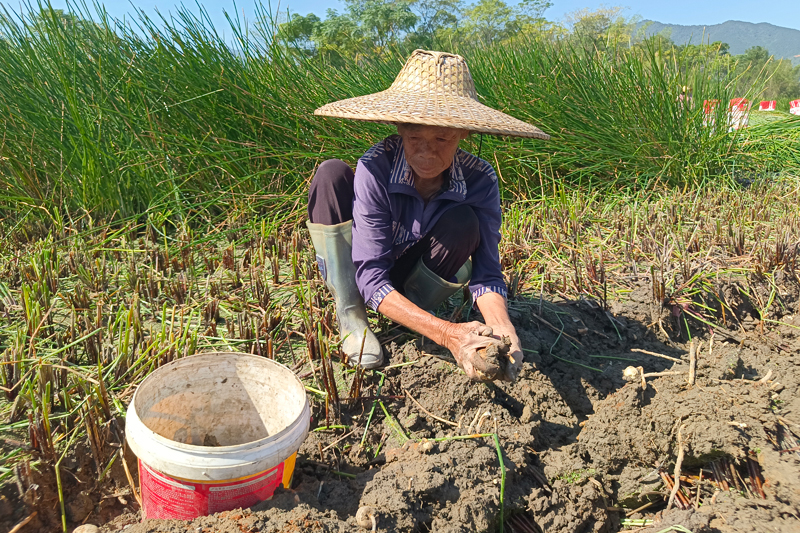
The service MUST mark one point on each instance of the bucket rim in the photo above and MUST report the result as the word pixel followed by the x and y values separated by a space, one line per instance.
pixel 218 450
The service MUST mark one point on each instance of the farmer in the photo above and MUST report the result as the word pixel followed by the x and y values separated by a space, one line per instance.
pixel 418 219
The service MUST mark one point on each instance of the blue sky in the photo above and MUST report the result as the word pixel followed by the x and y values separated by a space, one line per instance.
pixel 779 12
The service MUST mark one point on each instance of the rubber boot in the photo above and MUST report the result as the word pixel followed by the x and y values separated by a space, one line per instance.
pixel 427 290
pixel 333 246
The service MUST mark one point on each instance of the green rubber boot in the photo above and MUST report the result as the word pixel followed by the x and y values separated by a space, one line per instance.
pixel 427 290
pixel 333 246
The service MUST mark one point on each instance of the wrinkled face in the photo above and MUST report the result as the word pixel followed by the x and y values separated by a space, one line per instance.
pixel 430 149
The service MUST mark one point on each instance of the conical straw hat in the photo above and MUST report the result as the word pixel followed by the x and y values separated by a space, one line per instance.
pixel 435 89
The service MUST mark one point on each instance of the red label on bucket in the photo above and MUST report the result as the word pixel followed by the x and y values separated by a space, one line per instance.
pixel 166 497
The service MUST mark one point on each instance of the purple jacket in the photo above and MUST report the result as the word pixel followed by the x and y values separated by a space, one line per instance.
pixel 389 216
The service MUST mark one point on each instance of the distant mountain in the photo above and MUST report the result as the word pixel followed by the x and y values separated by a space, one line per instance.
pixel 783 43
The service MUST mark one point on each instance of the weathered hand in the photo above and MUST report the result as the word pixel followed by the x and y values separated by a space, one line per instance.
pixel 464 341
pixel 515 356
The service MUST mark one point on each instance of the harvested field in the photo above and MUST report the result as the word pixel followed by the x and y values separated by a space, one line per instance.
pixel 581 447
pixel 598 284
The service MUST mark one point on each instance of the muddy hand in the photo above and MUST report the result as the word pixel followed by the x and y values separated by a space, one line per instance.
pixel 514 356
pixel 472 345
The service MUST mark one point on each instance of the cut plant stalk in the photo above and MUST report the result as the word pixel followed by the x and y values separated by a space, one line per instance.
pixel 393 424
pixel 372 410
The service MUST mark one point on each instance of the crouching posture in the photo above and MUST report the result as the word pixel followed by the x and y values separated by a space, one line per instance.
pixel 418 219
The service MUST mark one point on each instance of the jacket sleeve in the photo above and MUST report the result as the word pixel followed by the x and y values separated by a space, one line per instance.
pixel 487 274
pixel 372 237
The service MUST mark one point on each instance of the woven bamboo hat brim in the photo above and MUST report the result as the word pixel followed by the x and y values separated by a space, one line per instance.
pixel 435 89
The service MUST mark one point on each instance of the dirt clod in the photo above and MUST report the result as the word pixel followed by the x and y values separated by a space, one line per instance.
pixel 79 507
pixel 494 360
pixel 86 528
pixel 496 354
pixel 210 440
pixel 366 517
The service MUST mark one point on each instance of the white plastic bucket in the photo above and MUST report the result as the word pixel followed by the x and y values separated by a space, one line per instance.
pixel 251 413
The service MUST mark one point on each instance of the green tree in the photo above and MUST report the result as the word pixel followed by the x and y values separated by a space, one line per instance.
pixel 386 21
pixel 487 20
pixel 339 36
pixel 434 18
pixel 782 81
pixel 756 56
pixel 602 28
pixel 299 30
pixel 66 20
pixel 366 26
pixel 494 20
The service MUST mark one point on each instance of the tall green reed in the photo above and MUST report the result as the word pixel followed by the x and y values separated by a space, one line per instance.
pixel 117 119
pixel 615 117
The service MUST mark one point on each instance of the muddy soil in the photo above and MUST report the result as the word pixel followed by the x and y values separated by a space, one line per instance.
pixel 583 449
pixel 91 495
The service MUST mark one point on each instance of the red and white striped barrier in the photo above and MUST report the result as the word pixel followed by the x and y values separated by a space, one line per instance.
pixel 739 113
pixel 794 107
pixel 709 107
pixel 767 105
